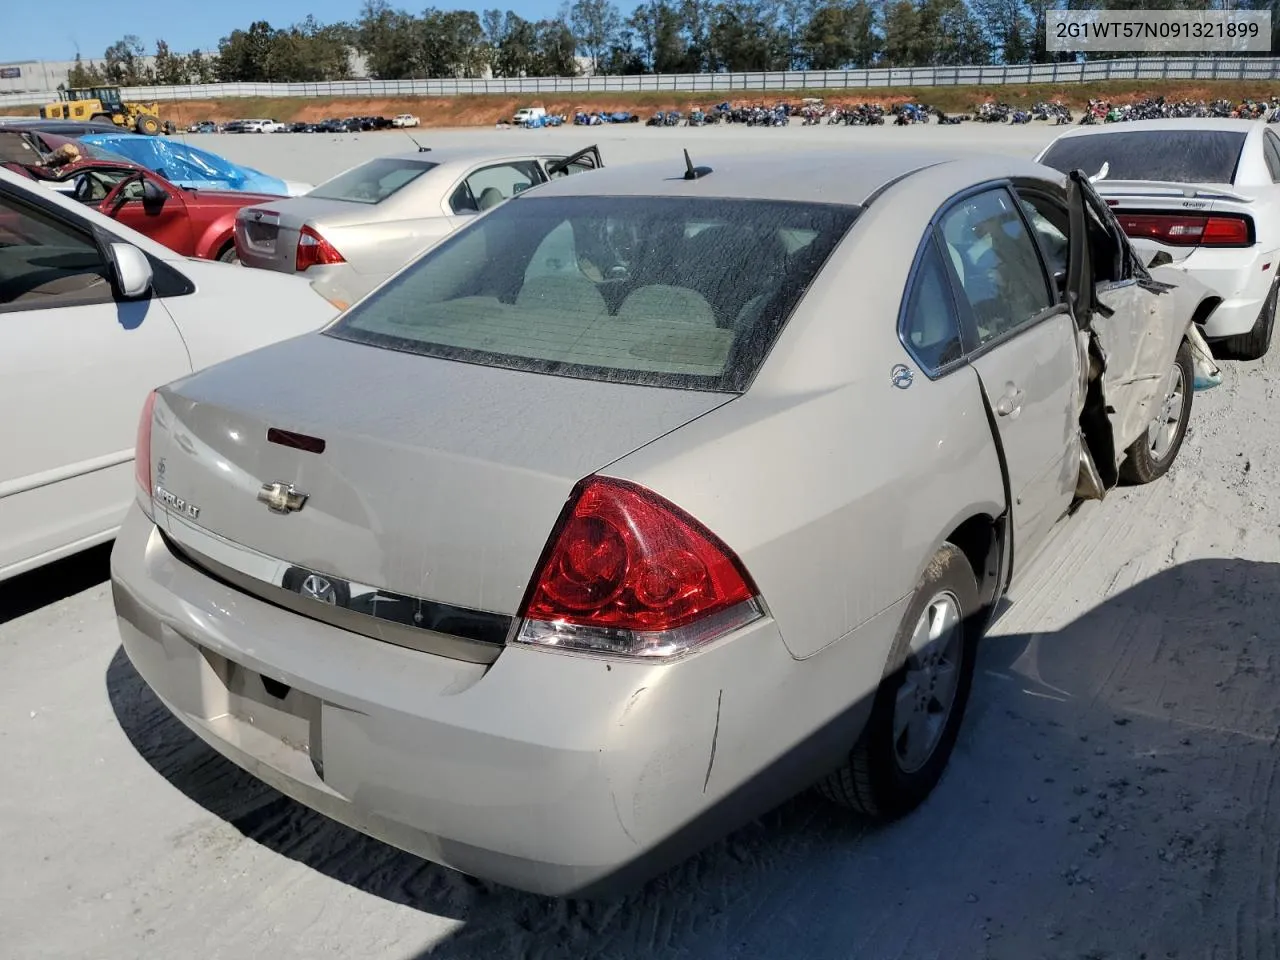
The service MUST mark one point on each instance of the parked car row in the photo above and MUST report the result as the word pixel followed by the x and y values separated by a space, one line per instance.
pixel 526 561
pixel 332 125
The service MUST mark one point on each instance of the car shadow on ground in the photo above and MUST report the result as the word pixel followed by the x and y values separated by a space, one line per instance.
pixel 1111 795
pixel 57 581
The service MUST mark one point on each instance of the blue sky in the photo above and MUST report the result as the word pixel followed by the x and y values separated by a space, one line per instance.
pixel 38 33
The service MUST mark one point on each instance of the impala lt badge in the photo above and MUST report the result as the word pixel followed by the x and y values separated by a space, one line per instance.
pixel 281 497
pixel 176 504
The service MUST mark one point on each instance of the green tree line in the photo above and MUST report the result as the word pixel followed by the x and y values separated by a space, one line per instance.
pixel 658 36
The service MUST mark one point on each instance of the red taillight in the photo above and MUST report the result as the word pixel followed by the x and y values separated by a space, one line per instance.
pixel 1180 230
pixel 142 449
pixel 625 565
pixel 314 249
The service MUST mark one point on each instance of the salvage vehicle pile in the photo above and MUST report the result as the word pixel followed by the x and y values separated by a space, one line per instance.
pixel 814 111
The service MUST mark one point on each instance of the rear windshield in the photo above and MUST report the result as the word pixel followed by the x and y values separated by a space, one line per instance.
pixel 686 293
pixel 372 182
pixel 1179 156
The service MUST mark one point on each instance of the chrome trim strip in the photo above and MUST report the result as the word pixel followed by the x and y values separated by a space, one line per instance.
pixel 430 626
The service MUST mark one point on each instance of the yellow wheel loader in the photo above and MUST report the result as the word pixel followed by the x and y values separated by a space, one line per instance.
pixel 105 105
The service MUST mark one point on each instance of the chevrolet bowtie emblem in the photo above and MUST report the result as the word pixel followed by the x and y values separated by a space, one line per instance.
pixel 281 497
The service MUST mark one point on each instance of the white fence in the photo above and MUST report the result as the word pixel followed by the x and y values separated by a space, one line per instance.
pixel 1150 68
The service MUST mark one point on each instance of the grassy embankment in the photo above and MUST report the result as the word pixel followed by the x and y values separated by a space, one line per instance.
pixel 487 109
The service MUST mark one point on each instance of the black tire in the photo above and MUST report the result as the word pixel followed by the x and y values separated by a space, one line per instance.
pixel 228 254
pixel 147 125
pixel 1254 344
pixel 102 118
pixel 873 780
pixel 1142 464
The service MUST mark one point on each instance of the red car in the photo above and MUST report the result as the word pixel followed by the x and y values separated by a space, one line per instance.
pixel 194 223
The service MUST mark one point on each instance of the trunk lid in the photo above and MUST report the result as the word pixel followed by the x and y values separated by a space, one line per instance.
pixel 438 480
pixel 267 233
pixel 1169 199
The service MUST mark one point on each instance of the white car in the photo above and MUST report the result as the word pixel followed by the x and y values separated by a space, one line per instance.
pixel 405 120
pixel 525 114
pixel 95 316
pixel 1202 195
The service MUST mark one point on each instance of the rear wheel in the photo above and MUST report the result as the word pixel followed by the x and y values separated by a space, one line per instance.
pixel 920 704
pixel 1153 453
pixel 147 124
pixel 1254 344
pixel 102 118
pixel 228 254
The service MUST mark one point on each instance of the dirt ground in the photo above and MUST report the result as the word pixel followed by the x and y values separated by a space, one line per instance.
pixel 1115 792
pixel 488 109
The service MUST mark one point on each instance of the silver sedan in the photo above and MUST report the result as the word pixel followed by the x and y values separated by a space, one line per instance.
pixel 355 230
pixel 646 500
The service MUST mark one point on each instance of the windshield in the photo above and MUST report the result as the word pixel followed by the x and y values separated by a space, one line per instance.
pixel 1178 156
pixel 372 182
pixel 674 292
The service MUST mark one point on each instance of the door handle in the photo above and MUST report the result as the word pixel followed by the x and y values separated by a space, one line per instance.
pixel 1010 405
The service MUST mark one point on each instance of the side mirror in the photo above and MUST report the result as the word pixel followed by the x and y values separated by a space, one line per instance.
pixel 132 270
pixel 152 194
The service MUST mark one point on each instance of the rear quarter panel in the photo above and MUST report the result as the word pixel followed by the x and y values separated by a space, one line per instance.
pixel 834 486
pixel 214 232
pixel 235 310
pixel 382 248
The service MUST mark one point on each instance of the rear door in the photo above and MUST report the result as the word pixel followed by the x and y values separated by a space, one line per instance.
pixel 75 369
pixel 1022 341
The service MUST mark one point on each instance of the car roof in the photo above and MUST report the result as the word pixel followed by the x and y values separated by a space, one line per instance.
pixel 817 176
pixel 468 155
pixel 1165 125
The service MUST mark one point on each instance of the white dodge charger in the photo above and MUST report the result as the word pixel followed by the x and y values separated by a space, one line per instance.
pixel 1203 195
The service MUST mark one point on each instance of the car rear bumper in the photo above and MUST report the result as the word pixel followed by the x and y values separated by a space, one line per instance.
pixel 1243 278
pixel 552 773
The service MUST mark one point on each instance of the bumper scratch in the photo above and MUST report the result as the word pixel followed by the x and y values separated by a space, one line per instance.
pixel 715 737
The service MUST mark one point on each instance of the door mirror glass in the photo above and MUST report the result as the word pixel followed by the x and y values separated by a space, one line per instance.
pixel 132 270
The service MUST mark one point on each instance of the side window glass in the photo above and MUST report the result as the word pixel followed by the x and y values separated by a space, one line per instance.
pixel 44 262
pixel 1050 223
pixel 931 326
pixel 996 262
pixel 462 201
pixel 578 166
pixel 490 186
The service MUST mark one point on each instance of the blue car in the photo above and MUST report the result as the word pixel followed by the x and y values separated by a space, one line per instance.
pixel 189 166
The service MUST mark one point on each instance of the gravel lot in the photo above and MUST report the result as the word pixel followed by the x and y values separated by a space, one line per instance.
pixel 1114 792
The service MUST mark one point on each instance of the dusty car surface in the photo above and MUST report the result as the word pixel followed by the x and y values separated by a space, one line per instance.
pixel 95 315
pixel 646 500
pixel 194 223
pixel 1204 196
pixel 364 224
